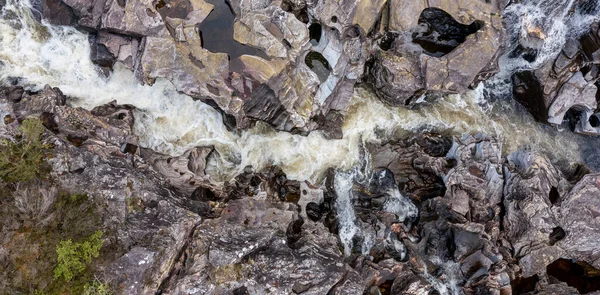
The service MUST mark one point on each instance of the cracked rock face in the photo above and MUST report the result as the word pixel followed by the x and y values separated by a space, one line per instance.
pixel 146 216
pixel 245 248
pixel 297 75
pixel 436 213
pixel 478 221
pixel 564 91
pixel 164 41
pixel 424 53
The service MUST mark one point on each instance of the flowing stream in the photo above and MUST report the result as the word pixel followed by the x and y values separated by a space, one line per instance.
pixel 33 54
pixel 170 122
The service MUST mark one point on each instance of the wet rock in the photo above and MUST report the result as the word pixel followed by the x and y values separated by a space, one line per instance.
pixel 331 223
pixel 527 90
pixel 13 93
pixel 313 210
pixel 396 249
pixel 203 194
pixel 404 75
pixel 590 44
pixel 331 124
pixel 129 148
pixel 413 168
pixel 100 54
pixel 57 12
pixel 294 231
pixel 562 91
pixel 578 274
pixel 264 105
pixel 475 266
pixel 120 116
pixel 556 235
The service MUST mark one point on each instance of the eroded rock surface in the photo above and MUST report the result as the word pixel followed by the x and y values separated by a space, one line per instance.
pixel 564 91
pixel 426 46
pixel 299 75
pixel 434 213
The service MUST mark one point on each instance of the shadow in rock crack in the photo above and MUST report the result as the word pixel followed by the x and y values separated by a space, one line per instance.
pixel 440 33
pixel 579 274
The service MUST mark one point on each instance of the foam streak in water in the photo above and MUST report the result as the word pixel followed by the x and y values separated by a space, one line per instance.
pixel 345 209
pixel 171 123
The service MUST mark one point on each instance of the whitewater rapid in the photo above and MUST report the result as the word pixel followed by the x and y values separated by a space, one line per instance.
pixel 34 54
pixel 171 123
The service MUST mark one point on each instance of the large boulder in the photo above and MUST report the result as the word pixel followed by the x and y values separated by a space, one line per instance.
pixel 247 248
pixel 532 187
pixel 550 224
pixel 309 75
pixel 303 81
pixel 579 220
pixel 425 52
pixel 564 90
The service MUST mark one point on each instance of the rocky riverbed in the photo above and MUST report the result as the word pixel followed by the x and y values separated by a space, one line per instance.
pixel 299 147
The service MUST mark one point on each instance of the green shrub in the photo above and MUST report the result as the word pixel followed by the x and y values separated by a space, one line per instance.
pixel 96 288
pixel 73 258
pixel 23 160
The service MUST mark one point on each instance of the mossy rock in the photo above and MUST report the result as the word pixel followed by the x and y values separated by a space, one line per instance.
pixel 24 159
pixel 33 256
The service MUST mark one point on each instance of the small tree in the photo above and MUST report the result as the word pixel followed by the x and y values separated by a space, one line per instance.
pixel 22 160
pixel 73 258
pixel 96 288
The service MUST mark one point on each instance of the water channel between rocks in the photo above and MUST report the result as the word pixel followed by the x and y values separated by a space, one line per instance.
pixel 170 122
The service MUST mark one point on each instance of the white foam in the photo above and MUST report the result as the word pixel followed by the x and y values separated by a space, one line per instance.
pixel 344 206
pixel 170 122
pixel 556 20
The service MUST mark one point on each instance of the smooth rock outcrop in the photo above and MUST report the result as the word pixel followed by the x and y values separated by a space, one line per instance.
pixel 413 62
